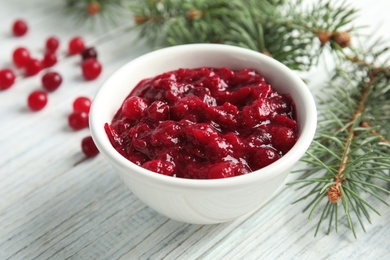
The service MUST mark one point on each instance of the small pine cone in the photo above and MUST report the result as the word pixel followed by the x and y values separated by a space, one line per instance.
pixel 195 15
pixel 140 19
pixel 334 193
pixel 343 39
pixel 93 8
pixel 324 37
pixel 267 53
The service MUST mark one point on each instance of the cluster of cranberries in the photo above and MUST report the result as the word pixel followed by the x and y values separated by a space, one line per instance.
pixel 51 80
pixel 204 123
pixel 22 58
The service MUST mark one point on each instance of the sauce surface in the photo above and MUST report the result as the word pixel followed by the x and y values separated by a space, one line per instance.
pixel 204 123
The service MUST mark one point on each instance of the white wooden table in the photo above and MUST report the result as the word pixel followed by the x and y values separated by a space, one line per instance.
pixel 53 207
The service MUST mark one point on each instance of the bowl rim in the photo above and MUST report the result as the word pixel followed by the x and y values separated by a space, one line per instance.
pixel 268 172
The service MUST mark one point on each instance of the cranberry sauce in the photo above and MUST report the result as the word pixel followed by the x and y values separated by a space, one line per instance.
pixel 204 123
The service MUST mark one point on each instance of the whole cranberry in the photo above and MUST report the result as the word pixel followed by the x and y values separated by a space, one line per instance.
pixel 7 78
pixel 52 44
pixel 32 67
pixel 20 56
pixel 78 120
pixel 89 53
pixel 49 59
pixel 76 45
pixel 283 138
pixel 51 81
pixel 264 156
pixel 82 104
pixel 133 108
pixel 88 147
pixel 19 27
pixel 37 100
pixel 91 69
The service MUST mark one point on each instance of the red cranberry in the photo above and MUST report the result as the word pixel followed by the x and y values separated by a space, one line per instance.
pixel 284 120
pixel 7 78
pixel 226 116
pixel 218 149
pixel 221 170
pixel 19 27
pixel 52 44
pixel 157 111
pixel 76 45
pixel 194 171
pixel 283 138
pixel 32 67
pixel 160 166
pixel 82 104
pixel 165 134
pixel 51 81
pixel 133 108
pixel 78 120
pixel 20 56
pixel 88 147
pixel 201 134
pixel 37 100
pixel 89 53
pixel 49 59
pixel 264 156
pixel 91 69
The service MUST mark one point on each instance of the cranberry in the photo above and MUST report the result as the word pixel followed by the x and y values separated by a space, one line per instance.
pixel 82 104
pixel 20 56
pixel 218 149
pixel 78 120
pixel 52 44
pixel 221 170
pixel 167 133
pixel 49 59
pixel 32 67
pixel 157 111
pixel 133 108
pixel 76 45
pixel 51 81
pixel 284 120
pixel 261 91
pixel 37 100
pixel 201 134
pixel 264 156
pixel 189 107
pixel 19 27
pixel 7 78
pixel 88 147
pixel 91 69
pixel 89 53
pixel 226 116
pixel 160 166
pixel 283 138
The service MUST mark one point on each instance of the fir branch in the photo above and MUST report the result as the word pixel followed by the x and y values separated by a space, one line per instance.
pixel 103 12
pixel 173 22
pixel 281 29
pixel 363 165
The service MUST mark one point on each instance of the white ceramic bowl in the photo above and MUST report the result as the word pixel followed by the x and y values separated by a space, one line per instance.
pixel 202 201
